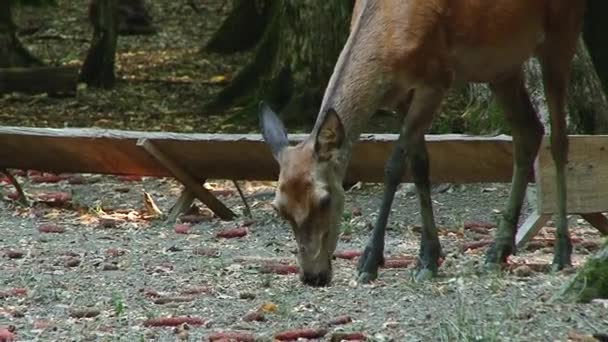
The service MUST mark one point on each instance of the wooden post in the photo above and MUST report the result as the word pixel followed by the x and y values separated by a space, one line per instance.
pixel 598 220
pixel 182 204
pixel 187 180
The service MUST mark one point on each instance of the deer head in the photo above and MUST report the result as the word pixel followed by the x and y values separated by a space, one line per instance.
pixel 309 194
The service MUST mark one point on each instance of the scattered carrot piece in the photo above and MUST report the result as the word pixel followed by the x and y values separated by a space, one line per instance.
pixel 293 335
pixel 115 252
pixel 232 233
pixel 54 197
pixel 182 228
pixel 348 254
pixel 6 335
pixel 399 262
pixel 475 245
pixel 279 269
pixel 478 224
pixel 14 292
pixel 50 228
pixel 173 321
pixel 196 290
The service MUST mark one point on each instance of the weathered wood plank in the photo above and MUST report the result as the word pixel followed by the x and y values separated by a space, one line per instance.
pixel 597 220
pixel 187 180
pixel 453 158
pixel 530 228
pixel 587 175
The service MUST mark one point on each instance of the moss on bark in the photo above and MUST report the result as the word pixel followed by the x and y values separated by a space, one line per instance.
pixel 591 282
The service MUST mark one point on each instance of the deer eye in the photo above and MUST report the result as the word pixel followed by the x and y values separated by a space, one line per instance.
pixel 325 202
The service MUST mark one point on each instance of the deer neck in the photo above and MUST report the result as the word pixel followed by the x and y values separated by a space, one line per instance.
pixel 358 84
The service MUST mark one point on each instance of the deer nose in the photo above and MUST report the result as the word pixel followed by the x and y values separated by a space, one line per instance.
pixel 316 279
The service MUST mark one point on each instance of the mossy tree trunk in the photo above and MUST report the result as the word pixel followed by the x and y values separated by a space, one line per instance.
pixel 591 281
pixel 243 28
pixel 98 67
pixel 12 52
pixel 293 60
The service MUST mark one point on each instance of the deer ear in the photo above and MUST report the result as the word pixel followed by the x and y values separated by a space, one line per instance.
pixel 330 136
pixel 272 128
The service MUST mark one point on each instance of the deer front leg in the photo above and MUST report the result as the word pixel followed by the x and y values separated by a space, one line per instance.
pixel 556 68
pixel 527 132
pixel 424 104
pixel 430 247
pixel 372 256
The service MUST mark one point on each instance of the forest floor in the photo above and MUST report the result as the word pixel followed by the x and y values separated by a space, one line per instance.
pixel 111 266
pixel 112 261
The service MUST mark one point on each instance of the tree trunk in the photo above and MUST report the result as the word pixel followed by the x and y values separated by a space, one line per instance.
pixel 98 67
pixel 243 28
pixel 293 61
pixel 134 18
pixel 12 53
pixel 591 281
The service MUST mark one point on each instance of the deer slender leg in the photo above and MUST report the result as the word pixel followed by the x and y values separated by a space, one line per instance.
pixel 425 103
pixel 430 247
pixel 555 79
pixel 527 132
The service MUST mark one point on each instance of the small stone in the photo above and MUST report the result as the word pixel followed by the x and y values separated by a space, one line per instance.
pixel 523 271
pixel 109 267
pixel 72 262
pixel 246 295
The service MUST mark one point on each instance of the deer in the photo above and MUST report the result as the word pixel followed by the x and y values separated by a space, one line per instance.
pixel 404 55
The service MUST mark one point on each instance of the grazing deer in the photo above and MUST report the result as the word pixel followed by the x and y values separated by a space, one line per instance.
pixel 404 55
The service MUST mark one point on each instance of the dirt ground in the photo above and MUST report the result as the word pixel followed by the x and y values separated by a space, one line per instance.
pixel 113 262
pixel 124 268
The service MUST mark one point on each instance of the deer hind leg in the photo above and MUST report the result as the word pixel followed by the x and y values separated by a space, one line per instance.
pixel 424 104
pixel 555 62
pixel 527 132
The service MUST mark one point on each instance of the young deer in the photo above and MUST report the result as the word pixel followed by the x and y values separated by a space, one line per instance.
pixel 404 55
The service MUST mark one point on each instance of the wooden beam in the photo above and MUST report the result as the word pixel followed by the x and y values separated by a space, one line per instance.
pixel 183 203
pixel 530 228
pixel 188 181
pixel 52 80
pixel 453 158
pixel 586 175
pixel 598 220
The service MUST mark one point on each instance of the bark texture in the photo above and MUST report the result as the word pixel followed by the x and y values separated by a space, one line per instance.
pixel 293 60
pixel 12 52
pixel 98 67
